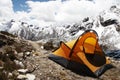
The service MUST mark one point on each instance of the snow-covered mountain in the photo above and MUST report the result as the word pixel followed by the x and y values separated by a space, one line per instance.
pixel 107 25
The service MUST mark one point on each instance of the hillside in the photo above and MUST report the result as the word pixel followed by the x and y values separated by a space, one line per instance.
pixel 23 59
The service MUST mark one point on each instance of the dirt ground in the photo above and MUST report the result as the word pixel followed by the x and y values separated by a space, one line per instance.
pixel 17 54
pixel 49 70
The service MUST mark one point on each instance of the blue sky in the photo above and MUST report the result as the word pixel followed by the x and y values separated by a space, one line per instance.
pixel 20 5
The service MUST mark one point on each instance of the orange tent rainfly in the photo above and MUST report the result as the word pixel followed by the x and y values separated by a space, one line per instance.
pixel 82 55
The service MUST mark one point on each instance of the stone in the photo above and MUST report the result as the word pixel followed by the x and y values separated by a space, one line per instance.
pixel 10 75
pixel 42 47
pixel 28 53
pixel 30 76
pixel 21 77
pixel 19 63
pixel 23 71
pixel 20 55
pixel 26 77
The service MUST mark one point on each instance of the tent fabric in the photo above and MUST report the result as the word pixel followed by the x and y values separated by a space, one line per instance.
pixel 82 54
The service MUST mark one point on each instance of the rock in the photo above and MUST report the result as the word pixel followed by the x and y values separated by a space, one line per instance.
pixel 86 19
pixel 35 53
pixel 23 71
pixel 20 55
pixel 26 77
pixel 1 64
pixel 107 22
pixel 48 45
pixel 30 76
pixel 16 62
pixel 42 47
pixel 27 53
pixel 13 50
pixel 10 75
pixel 21 77
pixel 15 73
pixel 2 43
pixel 1 68
pixel 19 63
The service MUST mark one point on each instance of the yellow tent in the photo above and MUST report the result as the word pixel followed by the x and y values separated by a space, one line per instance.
pixel 82 55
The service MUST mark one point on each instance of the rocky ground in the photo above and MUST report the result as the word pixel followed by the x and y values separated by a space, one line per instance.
pixel 49 70
pixel 28 60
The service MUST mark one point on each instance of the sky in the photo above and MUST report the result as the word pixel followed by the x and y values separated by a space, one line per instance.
pixel 20 5
pixel 47 12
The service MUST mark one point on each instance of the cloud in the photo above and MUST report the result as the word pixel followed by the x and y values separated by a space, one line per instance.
pixel 55 11
pixel 75 10
pixel 21 15
pixel 58 11
pixel 43 10
pixel 43 13
pixel 6 9
pixel 67 10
